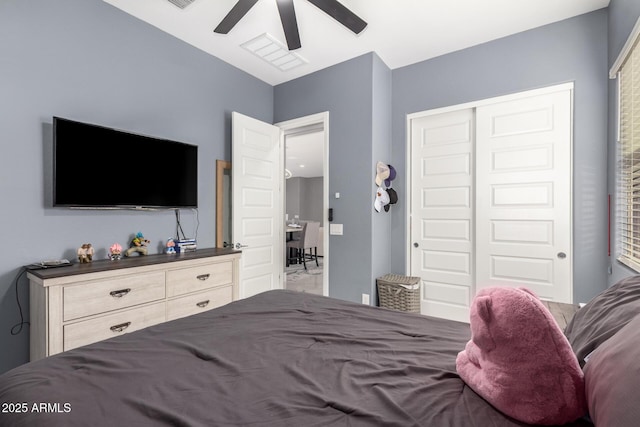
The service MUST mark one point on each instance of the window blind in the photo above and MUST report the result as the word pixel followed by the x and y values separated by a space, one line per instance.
pixel 628 196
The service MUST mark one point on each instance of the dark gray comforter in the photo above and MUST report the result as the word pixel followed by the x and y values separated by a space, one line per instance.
pixel 276 359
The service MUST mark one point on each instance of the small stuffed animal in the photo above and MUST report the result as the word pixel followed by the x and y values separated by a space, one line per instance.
pixel 171 246
pixel 115 252
pixel 138 244
pixel 85 253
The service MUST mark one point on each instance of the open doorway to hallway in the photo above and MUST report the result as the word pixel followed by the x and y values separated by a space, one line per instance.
pixel 306 201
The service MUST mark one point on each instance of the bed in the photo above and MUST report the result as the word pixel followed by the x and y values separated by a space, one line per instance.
pixel 280 358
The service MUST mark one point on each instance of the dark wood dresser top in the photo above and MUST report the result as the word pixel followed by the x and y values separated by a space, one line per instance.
pixel 125 262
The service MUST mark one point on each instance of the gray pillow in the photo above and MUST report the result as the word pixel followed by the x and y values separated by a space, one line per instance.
pixel 603 316
pixel 612 379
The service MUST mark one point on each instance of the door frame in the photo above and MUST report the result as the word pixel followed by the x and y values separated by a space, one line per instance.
pixel 293 126
pixel 473 104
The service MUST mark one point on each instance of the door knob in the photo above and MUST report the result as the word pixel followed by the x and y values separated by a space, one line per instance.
pixel 238 246
pixel 562 255
pixel 416 245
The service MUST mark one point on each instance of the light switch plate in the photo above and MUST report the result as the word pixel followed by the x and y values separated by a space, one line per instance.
pixel 335 229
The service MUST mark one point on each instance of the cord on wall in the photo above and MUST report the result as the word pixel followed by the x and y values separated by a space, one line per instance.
pixel 180 232
pixel 17 328
pixel 179 226
pixel 195 234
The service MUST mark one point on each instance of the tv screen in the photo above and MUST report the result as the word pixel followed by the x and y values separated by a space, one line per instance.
pixel 100 167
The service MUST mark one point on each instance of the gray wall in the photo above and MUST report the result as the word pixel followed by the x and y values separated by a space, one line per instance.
pixel 86 60
pixel 292 202
pixel 623 15
pixel 574 50
pixel 381 151
pixel 346 92
pixel 304 198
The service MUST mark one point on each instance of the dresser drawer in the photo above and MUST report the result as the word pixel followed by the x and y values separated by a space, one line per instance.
pixel 112 325
pixel 102 296
pixel 197 278
pixel 197 303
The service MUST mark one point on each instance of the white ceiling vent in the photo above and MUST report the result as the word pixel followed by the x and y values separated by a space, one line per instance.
pixel 274 52
pixel 182 3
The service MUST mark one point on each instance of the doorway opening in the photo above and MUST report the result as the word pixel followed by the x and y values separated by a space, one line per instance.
pixel 306 200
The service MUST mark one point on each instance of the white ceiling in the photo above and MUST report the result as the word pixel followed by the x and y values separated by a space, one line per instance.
pixel 304 154
pixel 401 32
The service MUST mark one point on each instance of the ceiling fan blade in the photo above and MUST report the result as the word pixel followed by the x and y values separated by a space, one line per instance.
pixel 340 13
pixel 289 23
pixel 235 14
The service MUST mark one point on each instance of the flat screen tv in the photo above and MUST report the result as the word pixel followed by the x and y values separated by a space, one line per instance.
pixel 100 167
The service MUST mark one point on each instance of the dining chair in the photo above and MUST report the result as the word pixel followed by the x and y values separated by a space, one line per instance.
pixel 297 235
pixel 308 240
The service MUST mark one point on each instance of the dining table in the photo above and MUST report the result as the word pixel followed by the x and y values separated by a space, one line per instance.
pixel 291 229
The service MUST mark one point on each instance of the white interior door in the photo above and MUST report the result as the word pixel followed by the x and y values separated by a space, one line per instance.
pixel 442 188
pixel 257 176
pixel 524 196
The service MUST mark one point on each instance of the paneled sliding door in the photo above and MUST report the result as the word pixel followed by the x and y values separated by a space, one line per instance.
pixel 442 209
pixel 523 204
pixel 491 199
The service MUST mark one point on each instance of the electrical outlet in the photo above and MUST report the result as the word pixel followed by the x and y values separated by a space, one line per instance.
pixel 365 299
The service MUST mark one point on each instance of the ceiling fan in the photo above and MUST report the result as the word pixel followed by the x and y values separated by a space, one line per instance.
pixel 332 8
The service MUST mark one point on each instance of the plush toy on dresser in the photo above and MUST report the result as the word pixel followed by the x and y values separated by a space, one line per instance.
pixel 138 244
pixel 115 252
pixel 85 253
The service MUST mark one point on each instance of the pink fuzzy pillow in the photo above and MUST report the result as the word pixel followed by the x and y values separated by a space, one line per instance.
pixel 519 360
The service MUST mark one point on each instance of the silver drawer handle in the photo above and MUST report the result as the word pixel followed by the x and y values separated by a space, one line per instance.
pixel 203 276
pixel 121 327
pixel 120 293
pixel 203 304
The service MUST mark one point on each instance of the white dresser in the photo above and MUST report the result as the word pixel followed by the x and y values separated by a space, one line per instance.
pixel 84 303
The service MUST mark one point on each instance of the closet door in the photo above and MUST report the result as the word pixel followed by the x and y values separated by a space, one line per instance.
pixel 523 195
pixel 441 226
